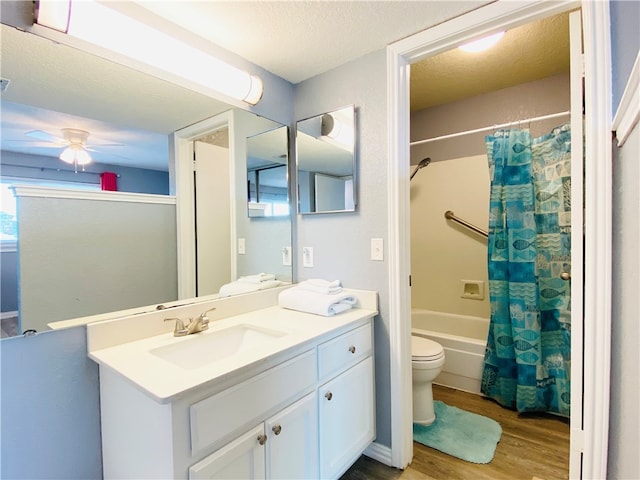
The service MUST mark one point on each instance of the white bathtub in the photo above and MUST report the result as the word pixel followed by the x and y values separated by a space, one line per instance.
pixel 463 338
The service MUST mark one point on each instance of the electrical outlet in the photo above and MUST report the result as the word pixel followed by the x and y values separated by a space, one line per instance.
pixel 241 246
pixel 286 256
pixel 377 249
pixel 307 257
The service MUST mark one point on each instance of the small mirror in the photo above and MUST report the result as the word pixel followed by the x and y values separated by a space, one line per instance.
pixel 267 174
pixel 326 162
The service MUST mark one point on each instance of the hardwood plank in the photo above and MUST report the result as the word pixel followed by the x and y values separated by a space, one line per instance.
pixel 533 445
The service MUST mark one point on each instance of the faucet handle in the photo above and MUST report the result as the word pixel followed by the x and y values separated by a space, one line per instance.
pixel 203 315
pixel 179 330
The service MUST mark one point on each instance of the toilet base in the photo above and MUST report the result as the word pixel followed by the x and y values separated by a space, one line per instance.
pixel 423 404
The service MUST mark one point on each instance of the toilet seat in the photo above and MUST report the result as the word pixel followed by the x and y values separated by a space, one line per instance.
pixel 425 350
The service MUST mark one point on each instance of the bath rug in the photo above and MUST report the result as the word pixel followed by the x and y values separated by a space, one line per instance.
pixel 461 434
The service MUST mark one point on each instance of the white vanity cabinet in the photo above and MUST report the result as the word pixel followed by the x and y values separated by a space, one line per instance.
pixel 305 413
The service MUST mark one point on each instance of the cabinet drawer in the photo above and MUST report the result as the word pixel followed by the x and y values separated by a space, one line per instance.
pixel 220 415
pixel 344 351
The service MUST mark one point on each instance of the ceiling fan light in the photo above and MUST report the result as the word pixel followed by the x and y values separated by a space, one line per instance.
pixel 75 155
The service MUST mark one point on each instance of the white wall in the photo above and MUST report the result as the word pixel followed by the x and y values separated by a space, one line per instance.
pixel 444 253
pixel 624 423
pixel 341 241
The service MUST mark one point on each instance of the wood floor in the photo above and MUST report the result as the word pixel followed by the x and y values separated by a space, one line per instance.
pixel 532 446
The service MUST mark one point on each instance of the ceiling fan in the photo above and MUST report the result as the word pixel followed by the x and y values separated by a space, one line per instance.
pixel 74 143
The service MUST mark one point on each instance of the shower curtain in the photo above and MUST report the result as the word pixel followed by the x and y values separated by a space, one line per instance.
pixel 528 357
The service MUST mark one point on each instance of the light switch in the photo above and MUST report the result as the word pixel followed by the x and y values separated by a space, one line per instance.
pixel 307 257
pixel 286 256
pixel 241 246
pixel 377 249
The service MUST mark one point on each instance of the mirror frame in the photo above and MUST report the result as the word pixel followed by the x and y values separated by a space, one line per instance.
pixel 354 161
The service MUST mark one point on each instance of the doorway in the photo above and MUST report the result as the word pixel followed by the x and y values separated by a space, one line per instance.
pixel 592 425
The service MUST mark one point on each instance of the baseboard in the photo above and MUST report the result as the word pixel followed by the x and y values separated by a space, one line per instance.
pixel 379 452
pixel 628 113
pixel 4 315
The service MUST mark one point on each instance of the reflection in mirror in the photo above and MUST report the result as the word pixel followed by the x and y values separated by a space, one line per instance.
pixel 267 174
pixel 326 162
pixel 136 225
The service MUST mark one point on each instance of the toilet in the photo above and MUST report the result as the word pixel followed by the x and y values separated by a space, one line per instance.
pixel 427 359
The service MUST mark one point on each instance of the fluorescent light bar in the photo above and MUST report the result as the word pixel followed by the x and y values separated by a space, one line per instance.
pixel 482 44
pixel 102 26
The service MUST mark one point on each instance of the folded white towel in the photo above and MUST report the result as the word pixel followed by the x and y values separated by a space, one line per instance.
pixel 237 287
pixel 321 286
pixel 257 278
pixel 297 298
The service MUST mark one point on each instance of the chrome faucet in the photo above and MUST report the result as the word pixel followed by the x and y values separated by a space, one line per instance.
pixel 195 325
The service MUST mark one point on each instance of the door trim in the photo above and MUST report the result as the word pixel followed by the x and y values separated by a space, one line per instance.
pixel 597 288
pixel 182 150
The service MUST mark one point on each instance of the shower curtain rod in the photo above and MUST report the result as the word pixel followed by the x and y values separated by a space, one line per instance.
pixel 492 127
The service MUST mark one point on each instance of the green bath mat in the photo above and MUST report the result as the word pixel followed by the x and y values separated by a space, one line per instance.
pixel 464 435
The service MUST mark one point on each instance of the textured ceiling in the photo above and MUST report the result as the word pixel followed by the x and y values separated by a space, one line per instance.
pixel 297 40
pixel 531 52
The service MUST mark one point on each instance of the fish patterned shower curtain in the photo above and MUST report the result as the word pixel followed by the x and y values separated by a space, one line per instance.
pixel 528 356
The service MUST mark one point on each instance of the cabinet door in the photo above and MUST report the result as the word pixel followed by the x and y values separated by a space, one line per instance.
pixel 244 458
pixel 292 448
pixel 347 418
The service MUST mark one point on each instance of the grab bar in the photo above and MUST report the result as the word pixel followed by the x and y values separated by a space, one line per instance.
pixel 449 215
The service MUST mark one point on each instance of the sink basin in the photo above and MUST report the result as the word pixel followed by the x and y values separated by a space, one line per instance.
pixel 197 350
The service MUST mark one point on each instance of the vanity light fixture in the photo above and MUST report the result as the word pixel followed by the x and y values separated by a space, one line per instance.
pixel 482 44
pixel 107 28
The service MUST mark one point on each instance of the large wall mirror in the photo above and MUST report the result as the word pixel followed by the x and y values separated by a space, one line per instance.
pixel 326 162
pixel 130 119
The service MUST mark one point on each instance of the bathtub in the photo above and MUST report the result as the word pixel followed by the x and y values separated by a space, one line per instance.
pixel 463 338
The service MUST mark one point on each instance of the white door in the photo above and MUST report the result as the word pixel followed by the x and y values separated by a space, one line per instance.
pixel 242 459
pixel 213 217
pixel 292 445
pixel 346 418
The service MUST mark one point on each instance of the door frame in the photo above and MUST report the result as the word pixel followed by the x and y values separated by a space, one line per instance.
pixel 182 168
pixel 592 438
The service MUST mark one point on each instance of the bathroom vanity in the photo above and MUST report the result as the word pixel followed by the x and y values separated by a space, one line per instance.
pixel 267 393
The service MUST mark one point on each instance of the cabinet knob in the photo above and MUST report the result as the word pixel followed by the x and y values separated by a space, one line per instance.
pixel 565 276
pixel 277 429
pixel 328 395
pixel 352 349
pixel 262 439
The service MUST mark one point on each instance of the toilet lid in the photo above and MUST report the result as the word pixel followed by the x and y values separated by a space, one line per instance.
pixel 425 349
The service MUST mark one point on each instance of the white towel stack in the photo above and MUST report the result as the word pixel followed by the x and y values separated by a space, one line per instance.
pixel 319 285
pixel 319 297
pixel 250 283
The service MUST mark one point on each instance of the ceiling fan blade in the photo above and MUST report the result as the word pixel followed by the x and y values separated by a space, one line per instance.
pixel 103 152
pixel 33 143
pixel 46 137
pixel 94 145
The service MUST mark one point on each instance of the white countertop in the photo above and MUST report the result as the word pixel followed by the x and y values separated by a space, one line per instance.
pixel 163 380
